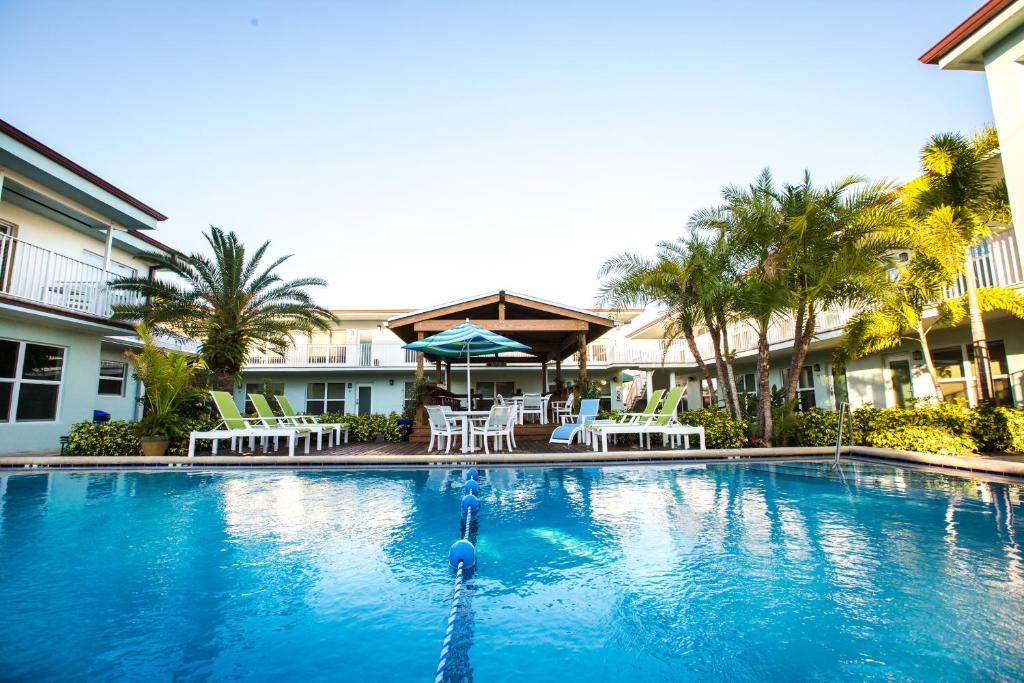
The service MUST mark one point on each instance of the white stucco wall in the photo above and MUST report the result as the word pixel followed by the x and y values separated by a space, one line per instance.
pixel 79 391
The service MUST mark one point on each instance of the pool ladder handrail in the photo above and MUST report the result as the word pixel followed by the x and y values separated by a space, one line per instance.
pixel 844 409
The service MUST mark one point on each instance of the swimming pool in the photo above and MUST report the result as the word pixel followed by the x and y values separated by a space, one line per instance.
pixel 738 572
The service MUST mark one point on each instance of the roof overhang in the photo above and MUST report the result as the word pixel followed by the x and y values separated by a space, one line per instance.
pixel 25 155
pixel 964 48
pixel 551 330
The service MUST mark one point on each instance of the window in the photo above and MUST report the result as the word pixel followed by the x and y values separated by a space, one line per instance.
pixel 112 378
pixel 1002 394
pixel 30 381
pixel 268 389
pixel 805 388
pixel 116 267
pixel 949 365
pixel 325 397
pixel 747 384
pixel 709 394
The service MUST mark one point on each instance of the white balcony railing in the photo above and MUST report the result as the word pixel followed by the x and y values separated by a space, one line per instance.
pixel 42 276
pixel 997 263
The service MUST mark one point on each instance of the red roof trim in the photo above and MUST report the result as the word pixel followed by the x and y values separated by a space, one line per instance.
pixel 964 31
pixel 154 242
pixel 57 157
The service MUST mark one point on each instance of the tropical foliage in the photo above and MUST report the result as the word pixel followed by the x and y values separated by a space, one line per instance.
pixel 169 378
pixel 230 301
pixel 766 256
pixel 954 202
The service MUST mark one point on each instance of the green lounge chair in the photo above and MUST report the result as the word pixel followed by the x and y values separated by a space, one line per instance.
pixel 271 421
pixel 645 427
pixel 646 416
pixel 340 431
pixel 233 426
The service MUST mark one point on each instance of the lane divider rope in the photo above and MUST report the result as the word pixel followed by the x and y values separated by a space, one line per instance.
pixel 463 558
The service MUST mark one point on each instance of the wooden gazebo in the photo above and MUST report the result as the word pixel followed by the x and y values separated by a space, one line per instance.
pixel 552 331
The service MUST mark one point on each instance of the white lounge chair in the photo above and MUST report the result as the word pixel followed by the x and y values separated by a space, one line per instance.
pixel 569 431
pixel 233 427
pixel 302 419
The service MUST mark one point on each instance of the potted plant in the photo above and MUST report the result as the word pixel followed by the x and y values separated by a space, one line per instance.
pixel 168 378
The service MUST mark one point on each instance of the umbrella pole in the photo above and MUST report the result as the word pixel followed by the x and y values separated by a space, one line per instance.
pixel 469 387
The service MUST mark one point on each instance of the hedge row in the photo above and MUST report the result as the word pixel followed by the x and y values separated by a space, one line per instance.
pixel 119 437
pixel 946 428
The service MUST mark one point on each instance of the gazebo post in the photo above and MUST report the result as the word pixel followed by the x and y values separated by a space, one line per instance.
pixel 437 371
pixel 543 376
pixel 448 375
pixel 581 339
pixel 419 359
pixel 558 371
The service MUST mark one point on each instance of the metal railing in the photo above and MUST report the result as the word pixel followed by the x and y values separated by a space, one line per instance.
pixel 43 276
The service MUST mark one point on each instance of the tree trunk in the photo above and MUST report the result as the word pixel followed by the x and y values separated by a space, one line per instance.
pixel 926 353
pixel 801 344
pixel 978 339
pixel 730 376
pixel 764 392
pixel 223 380
pixel 691 343
pixel 716 345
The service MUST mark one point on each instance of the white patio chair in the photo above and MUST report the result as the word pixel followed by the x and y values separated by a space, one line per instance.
pixel 562 409
pixel 440 428
pixel 498 425
pixel 532 405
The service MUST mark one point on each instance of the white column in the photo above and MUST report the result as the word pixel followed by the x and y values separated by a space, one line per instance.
pixel 1005 76
pixel 106 251
pixel 671 379
pixel 650 384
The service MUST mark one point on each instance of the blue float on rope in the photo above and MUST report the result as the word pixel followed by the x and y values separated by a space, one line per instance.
pixel 464 552
pixel 470 501
pixel 471 487
pixel 471 473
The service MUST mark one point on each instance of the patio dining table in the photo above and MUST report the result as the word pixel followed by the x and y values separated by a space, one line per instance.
pixel 465 417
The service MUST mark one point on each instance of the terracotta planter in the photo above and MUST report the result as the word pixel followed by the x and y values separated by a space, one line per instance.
pixel 154 446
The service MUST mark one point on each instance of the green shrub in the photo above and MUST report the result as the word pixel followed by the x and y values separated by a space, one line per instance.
pixel 1000 429
pixel 367 427
pixel 201 422
pixel 934 439
pixel 720 430
pixel 817 427
pixel 116 437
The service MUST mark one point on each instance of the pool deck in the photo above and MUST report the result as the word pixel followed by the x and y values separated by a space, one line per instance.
pixel 535 454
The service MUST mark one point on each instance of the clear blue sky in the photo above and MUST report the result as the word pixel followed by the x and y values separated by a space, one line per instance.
pixel 416 152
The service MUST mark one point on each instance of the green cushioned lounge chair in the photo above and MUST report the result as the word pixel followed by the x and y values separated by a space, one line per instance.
pixel 270 421
pixel 340 431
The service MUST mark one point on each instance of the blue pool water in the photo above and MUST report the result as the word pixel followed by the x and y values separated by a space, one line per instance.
pixel 643 574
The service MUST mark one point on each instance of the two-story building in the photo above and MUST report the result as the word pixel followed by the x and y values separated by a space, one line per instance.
pixel 64 234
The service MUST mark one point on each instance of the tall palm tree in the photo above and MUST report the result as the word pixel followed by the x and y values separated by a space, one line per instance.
pixel 959 195
pixel 227 301
pixel 753 219
pixel 836 250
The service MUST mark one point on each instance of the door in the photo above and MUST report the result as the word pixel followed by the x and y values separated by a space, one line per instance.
pixel 364 399
pixel 901 382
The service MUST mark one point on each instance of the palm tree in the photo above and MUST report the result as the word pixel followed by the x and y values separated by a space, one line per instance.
pixel 959 196
pixel 228 302
pixel 752 218
pixel 836 250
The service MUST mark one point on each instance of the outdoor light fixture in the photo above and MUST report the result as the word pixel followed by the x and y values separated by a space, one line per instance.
pixel 615 378
pixel 350 385
pixel 817 367
pixel 391 382
pixel 917 355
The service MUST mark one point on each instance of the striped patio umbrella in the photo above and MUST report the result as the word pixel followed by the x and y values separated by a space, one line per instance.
pixel 464 341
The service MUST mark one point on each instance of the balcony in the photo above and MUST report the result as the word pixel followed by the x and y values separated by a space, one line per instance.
pixel 45 277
